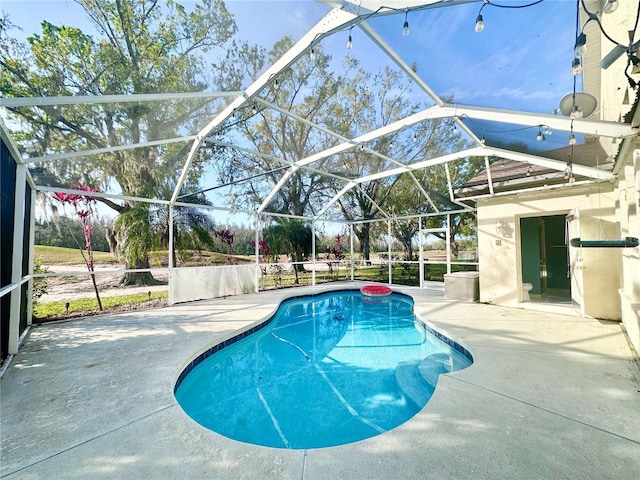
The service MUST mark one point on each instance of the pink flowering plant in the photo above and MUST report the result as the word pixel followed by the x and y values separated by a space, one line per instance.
pixel 83 207
pixel 228 237
pixel 335 255
pixel 263 257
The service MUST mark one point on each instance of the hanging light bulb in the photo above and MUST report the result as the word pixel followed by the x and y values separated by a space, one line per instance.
pixel 568 172
pixel 392 144
pixel 276 84
pixel 254 110
pixel 362 147
pixel 479 24
pixel 415 138
pixel 312 54
pixel 576 112
pixel 349 40
pixel 572 139
pixel 483 141
pixel 405 27
pixel 529 171
pixel 576 66
pixel 610 6
pixel 581 45
pixel 540 136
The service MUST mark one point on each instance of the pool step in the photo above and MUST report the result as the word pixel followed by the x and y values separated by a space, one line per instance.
pixel 418 379
pixel 412 383
pixel 435 365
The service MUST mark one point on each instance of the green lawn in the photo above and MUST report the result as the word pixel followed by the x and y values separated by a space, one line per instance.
pixel 67 256
pixel 51 310
pixel 72 256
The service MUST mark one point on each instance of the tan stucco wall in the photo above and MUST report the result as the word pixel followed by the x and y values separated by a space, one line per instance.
pixel 628 194
pixel 499 248
pixel 615 99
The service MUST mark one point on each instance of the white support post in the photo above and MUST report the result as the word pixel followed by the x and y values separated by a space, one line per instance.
pixel 16 260
pixel 421 254
pixel 487 167
pixel 448 240
pixel 171 265
pixel 313 252
pixel 352 257
pixel 257 251
pixel 32 224
pixel 389 251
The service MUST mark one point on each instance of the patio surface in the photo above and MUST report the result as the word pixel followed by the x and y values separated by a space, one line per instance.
pixel 549 396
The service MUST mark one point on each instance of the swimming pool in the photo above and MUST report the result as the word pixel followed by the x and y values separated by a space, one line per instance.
pixel 325 370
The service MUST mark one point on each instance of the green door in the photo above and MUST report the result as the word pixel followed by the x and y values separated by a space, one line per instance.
pixel 530 245
pixel 557 252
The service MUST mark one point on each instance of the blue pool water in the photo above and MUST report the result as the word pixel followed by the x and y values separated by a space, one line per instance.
pixel 326 370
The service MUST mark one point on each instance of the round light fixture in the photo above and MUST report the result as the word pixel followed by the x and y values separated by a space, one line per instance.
pixel 584 102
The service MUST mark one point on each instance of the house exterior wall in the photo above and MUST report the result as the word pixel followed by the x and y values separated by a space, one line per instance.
pixel 615 99
pixel 628 195
pixel 499 246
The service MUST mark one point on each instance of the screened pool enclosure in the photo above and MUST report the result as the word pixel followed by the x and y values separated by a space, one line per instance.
pixel 373 163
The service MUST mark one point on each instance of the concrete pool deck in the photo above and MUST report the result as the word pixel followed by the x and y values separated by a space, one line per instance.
pixel 549 396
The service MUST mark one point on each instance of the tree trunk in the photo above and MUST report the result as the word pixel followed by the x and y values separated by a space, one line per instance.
pixel 365 243
pixel 138 278
pixel 455 249
pixel 116 239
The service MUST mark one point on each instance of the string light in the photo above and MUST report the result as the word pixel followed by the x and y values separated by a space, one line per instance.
pixel 543 131
pixel 572 139
pixel 276 84
pixel 576 112
pixel 312 54
pixel 254 110
pixel 576 66
pixel 350 40
pixel 610 6
pixel 581 45
pixel 568 173
pixel 480 21
pixel 405 27
pixel 415 138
